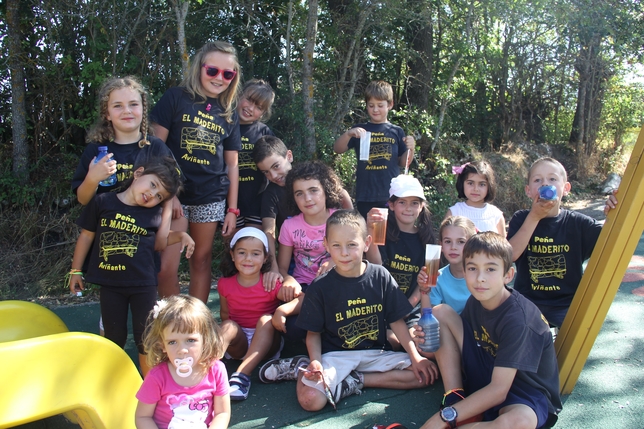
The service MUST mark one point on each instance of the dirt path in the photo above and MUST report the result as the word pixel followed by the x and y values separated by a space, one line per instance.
pixel 593 206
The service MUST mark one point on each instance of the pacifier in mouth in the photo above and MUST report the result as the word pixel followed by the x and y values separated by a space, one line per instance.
pixel 184 367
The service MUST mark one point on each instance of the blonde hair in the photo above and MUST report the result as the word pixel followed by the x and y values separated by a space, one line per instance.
pixel 551 161
pixel 185 314
pixel 103 130
pixel 458 222
pixel 192 82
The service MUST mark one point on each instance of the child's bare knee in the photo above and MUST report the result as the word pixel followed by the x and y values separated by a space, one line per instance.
pixel 310 399
pixel 443 311
pixel 516 416
pixel 266 319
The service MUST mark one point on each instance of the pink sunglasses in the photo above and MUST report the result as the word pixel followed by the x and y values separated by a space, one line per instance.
pixel 227 75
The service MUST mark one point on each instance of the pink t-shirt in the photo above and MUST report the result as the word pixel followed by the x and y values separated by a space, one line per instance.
pixel 183 405
pixel 247 304
pixel 308 246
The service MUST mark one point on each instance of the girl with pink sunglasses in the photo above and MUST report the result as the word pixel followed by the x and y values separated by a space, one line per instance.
pixel 199 123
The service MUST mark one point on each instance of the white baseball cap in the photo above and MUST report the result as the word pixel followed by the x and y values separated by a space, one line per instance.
pixel 406 186
pixel 249 231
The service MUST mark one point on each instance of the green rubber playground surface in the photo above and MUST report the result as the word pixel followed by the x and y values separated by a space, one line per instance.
pixel 608 394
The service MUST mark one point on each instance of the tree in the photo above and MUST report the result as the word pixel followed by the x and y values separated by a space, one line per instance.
pixel 181 11
pixel 603 33
pixel 350 19
pixel 456 59
pixel 420 35
pixel 308 87
pixel 18 108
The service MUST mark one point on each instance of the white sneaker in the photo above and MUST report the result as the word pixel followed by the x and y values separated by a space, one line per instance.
pixel 351 385
pixel 282 369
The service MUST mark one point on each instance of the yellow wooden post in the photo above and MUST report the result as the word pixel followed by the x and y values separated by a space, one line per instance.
pixel 604 274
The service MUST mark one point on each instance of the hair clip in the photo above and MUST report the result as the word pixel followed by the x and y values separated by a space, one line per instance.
pixel 160 305
pixel 459 168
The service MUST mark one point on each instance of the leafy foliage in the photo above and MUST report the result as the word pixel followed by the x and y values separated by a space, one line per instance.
pixel 467 76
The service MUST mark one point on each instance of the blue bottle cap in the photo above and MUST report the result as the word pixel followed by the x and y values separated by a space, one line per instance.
pixel 548 192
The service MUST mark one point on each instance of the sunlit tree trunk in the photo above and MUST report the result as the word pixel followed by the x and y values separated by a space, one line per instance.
pixel 18 110
pixel 307 77
pixel 593 75
pixel 458 57
pixel 181 11
pixel 350 64
pixel 287 60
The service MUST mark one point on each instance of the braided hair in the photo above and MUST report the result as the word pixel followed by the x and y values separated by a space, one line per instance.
pixel 103 130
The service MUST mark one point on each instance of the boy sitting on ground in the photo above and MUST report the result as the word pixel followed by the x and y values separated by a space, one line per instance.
pixel 346 312
pixel 497 358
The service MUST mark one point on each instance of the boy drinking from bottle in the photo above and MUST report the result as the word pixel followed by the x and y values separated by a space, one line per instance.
pixel 550 244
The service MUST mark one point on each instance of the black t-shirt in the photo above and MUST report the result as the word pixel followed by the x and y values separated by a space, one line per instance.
pixel 404 259
pixel 198 136
pixel 274 204
pixel 128 157
pixel 123 250
pixel 550 268
pixel 373 177
pixel 251 179
pixel 517 336
pixel 353 313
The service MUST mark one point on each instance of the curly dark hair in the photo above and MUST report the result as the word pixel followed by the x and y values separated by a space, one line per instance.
pixel 227 265
pixel 330 182
pixel 484 169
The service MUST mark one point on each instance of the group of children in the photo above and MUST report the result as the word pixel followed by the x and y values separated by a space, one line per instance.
pixel 355 304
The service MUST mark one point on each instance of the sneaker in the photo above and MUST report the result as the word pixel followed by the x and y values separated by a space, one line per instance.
pixel 352 384
pixel 282 369
pixel 239 386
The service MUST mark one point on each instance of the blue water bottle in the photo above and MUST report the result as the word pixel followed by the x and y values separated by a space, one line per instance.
pixel 431 328
pixel 102 151
pixel 548 192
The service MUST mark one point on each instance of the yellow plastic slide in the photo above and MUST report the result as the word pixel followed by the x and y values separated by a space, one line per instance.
pixel 78 374
pixel 20 320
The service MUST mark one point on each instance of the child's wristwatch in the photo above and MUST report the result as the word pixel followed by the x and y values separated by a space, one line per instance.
pixel 236 212
pixel 449 415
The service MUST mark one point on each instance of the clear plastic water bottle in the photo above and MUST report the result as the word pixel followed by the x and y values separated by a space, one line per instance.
pixel 102 151
pixel 431 328
pixel 548 192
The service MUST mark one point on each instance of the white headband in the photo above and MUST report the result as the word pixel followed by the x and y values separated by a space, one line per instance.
pixel 250 232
